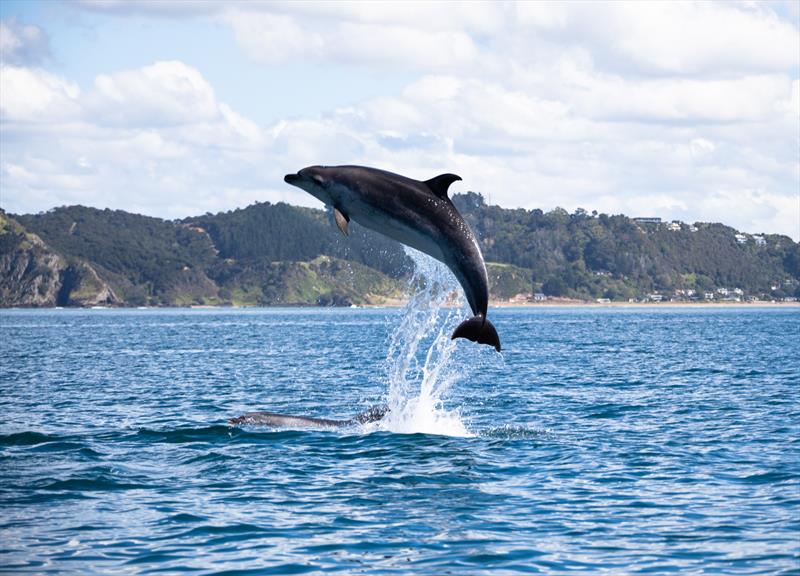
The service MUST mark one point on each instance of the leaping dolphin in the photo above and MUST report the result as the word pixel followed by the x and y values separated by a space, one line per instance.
pixel 415 213
pixel 286 421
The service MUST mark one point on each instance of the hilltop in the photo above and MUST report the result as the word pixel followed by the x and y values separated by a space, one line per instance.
pixel 278 254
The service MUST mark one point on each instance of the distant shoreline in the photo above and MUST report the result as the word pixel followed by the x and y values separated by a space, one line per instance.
pixel 573 303
pixel 587 304
pixel 399 304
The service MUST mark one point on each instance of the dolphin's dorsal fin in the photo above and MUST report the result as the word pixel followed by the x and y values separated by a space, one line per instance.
pixel 341 220
pixel 441 183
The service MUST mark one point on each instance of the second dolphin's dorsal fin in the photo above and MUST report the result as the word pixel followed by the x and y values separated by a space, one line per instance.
pixel 441 183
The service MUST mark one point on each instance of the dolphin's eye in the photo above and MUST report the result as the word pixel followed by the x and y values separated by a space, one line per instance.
pixel 318 179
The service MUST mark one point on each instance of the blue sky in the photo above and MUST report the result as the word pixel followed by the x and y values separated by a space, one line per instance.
pixel 681 110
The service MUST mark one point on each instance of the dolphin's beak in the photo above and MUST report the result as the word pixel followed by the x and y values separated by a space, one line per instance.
pixel 292 178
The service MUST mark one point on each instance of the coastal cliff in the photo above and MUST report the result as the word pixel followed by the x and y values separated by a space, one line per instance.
pixel 34 275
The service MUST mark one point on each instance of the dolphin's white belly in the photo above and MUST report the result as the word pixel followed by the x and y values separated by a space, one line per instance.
pixel 402 233
pixel 396 229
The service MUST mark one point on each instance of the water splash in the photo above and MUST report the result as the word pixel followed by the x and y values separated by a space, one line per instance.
pixel 420 361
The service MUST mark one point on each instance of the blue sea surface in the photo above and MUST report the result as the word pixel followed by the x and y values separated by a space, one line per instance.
pixel 602 440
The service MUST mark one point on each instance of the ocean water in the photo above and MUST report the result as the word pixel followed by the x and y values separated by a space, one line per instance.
pixel 602 440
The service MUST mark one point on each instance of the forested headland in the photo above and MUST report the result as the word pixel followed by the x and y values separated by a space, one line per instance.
pixel 279 254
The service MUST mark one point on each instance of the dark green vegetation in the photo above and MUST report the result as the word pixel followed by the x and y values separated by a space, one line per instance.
pixel 599 256
pixel 279 254
pixel 213 260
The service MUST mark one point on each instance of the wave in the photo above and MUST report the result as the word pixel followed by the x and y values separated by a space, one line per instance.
pixel 97 483
pixel 29 438
pixel 186 434
pixel 216 434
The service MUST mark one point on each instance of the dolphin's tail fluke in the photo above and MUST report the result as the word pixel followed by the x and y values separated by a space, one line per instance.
pixel 478 329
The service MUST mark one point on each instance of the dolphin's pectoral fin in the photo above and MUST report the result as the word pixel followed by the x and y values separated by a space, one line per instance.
pixel 441 183
pixel 341 220
pixel 478 329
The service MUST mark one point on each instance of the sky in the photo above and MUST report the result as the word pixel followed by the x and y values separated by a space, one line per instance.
pixel 687 111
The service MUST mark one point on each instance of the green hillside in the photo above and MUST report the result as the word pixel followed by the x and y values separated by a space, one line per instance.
pixel 278 254
pixel 591 256
pixel 281 232
pixel 147 260
pixel 323 281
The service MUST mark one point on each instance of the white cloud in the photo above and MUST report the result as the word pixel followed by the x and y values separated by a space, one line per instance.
pixel 543 15
pixel 150 137
pixel 165 93
pixel 700 147
pixel 766 212
pixel 32 95
pixel 743 99
pixel 689 37
pixel 273 37
pixel 270 38
pixel 654 38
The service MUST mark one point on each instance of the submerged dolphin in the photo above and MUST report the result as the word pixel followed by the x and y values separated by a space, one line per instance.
pixel 415 213
pixel 286 421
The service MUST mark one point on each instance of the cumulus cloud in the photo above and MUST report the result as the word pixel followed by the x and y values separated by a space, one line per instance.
pixel 165 93
pixel 741 99
pixel 154 139
pixel 32 95
pixel 689 37
pixel 658 38
pixel 268 37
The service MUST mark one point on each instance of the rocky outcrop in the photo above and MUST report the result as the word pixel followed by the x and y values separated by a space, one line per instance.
pixel 82 286
pixel 30 273
pixel 34 275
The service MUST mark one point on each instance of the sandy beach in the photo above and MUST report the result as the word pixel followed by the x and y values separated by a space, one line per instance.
pixel 582 303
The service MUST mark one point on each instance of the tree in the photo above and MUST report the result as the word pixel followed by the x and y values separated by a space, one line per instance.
pixel 554 286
